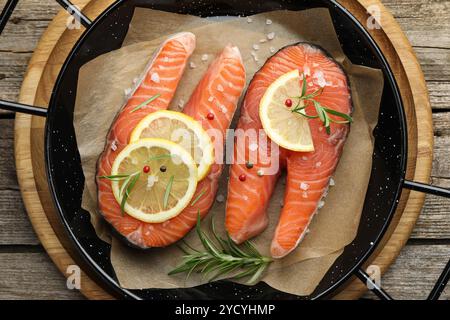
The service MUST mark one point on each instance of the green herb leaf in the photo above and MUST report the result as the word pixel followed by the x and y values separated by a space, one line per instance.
pixel 222 257
pixel 167 192
pixel 198 197
pixel 143 104
pixel 126 189
pixel 303 85
pixel 117 177
pixel 321 112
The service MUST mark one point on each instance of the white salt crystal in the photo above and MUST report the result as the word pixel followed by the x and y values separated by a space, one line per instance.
pixel 271 35
pixel 151 180
pixel 220 88
pixel 249 20
pixel 220 198
pixel 192 65
pixel 320 78
pixel 268 21
pixel 332 182
pixel 223 109
pixel 262 40
pixel 210 99
pixel 114 145
pixel 181 103
pixel 272 49
pixel 318 164
pixel 320 204
pixel 307 71
pixel 155 77
pixel 304 186
pixel 255 46
pixel 127 91
pixel 135 80
pixel 205 57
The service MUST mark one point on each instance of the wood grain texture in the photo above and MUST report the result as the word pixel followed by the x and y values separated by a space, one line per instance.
pixel 32 275
pixel 436 72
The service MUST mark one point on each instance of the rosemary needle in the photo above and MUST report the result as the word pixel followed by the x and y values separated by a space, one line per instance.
pixel 146 102
pixel 222 257
pixel 167 192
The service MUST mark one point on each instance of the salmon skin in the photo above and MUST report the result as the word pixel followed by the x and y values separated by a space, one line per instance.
pixel 308 173
pixel 162 76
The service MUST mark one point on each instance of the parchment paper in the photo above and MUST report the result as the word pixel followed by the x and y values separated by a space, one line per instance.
pixel 104 80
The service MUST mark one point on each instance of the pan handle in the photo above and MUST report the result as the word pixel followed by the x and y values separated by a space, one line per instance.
pixel 445 275
pixel 4 17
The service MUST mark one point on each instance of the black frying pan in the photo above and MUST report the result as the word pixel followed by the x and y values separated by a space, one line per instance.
pixel 66 180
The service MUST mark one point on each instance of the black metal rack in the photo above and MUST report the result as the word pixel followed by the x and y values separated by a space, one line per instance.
pixel 360 273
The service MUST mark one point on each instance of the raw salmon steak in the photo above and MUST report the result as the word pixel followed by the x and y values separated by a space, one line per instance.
pixel 162 77
pixel 308 173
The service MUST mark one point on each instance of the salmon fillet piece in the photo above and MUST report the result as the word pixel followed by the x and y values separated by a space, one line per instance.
pixel 217 93
pixel 308 173
pixel 161 76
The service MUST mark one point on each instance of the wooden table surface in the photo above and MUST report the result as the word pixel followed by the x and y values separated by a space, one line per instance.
pixel 28 273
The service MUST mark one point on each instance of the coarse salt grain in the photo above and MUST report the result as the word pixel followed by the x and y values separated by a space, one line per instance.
pixel 255 46
pixel 155 77
pixel 332 182
pixel 271 35
pixel 151 181
pixel 318 164
pixel 223 109
pixel 114 145
pixel 181 103
pixel 262 40
pixel 220 198
pixel 320 204
pixel 268 22
pixel 127 91
pixel 249 20
pixel 304 186
pixel 220 88
pixel 192 65
pixel 272 49
pixel 205 57
pixel 211 99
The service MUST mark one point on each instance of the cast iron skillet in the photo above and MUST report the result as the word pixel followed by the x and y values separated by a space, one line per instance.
pixel 66 180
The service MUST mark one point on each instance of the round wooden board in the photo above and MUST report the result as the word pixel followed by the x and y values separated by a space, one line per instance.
pixel 57 42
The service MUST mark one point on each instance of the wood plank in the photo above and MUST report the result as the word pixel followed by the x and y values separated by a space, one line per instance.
pixel 22 275
pixel 425 22
pixel 15 228
pixel 32 275
pixel 415 272
pixel 18 40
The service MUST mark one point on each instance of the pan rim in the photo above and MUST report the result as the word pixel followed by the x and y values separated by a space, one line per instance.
pixel 113 284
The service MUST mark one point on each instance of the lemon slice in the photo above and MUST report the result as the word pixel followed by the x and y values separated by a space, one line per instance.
pixel 163 179
pixel 286 128
pixel 181 129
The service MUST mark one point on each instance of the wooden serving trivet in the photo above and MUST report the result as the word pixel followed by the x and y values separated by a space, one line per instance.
pixel 56 43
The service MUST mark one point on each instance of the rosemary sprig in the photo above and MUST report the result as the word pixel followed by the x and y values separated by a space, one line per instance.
pixel 322 112
pixel 146 102
pixel 222 257
pixel 167 192
pixel 127 186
